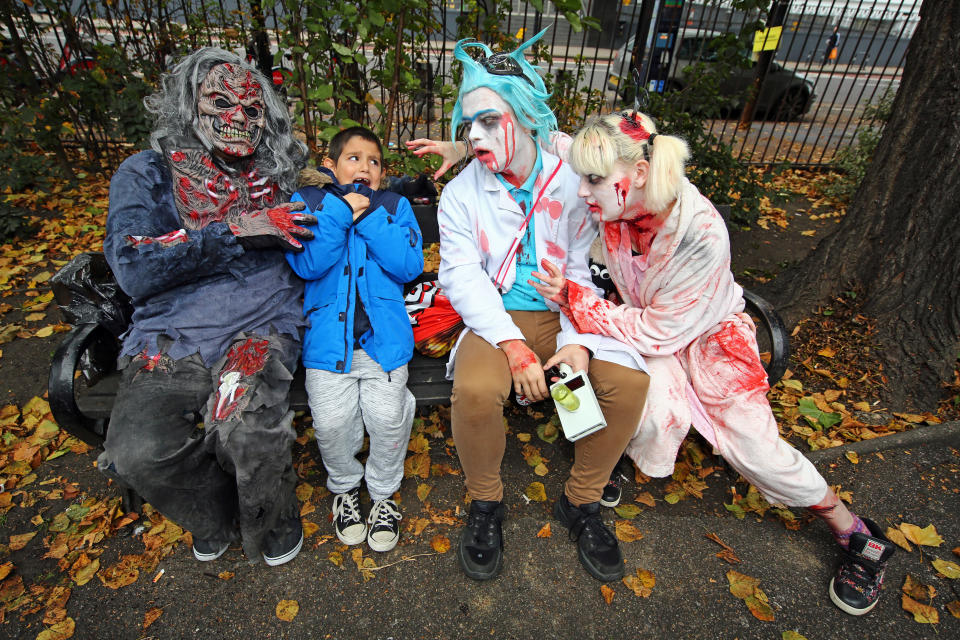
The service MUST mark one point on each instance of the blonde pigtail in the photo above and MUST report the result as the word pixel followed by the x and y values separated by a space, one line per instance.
pixel 668 156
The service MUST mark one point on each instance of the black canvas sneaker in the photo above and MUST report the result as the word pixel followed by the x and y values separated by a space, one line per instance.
pixel 613 490
pixel 347 521
pixel 283 543
pixel 208 550
pixel 855 588
pixel 384 529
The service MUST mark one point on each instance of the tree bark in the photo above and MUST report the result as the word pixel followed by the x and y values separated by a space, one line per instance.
pixel 899 243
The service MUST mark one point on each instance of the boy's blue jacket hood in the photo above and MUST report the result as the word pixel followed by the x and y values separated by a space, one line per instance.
pixel 373 256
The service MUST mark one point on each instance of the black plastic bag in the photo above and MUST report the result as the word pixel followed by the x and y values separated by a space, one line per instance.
pixel 87 292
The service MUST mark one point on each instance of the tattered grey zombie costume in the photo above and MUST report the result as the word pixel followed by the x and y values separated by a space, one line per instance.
pixel 194 236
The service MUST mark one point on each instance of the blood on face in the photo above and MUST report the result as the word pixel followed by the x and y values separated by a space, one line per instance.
pixel 492 128
pixel 231 111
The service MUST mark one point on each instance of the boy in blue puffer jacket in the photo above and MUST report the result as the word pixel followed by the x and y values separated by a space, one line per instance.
pixel 359 340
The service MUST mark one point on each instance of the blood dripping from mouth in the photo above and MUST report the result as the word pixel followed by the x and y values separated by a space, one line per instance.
pixel 511 177
pixel 243 360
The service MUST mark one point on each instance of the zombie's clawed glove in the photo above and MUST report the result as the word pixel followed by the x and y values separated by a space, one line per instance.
pixel 274 228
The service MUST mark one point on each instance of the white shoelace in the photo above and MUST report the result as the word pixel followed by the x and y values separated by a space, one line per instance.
pixel 382 513
pixel 346 507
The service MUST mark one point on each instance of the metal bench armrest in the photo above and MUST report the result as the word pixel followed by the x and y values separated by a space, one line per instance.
pixel 779 338
pixel 62 382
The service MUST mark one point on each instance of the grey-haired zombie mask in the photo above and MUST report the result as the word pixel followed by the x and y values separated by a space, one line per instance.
pixel 231 111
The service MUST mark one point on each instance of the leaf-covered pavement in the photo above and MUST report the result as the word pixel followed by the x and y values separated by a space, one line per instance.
pixel 828 398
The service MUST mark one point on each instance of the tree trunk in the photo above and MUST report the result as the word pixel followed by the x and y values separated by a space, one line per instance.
pixel 899 244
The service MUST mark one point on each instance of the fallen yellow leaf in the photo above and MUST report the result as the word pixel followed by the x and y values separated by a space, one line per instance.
pixel 758 606
pixel 641 584
pixel 607 593
pixel 645 498
pixel 20 541
pixel 922 613
pixel 927 536
pixel 336 558
pixel 304 491
pixel 60 631
pixel 896 536
pixel 151 616
pixel 523 437
pixel 826 352
pixel 287 610
pixel 913 588
pixel 626 531
pixel 225 575
pixel 440 543
pixel 7 567
pixel 84 569
pixel 545 531
pixel 852 457
pixel 947 569
pixel 954 608
pixel 44 332
pixel 423 490
pixel 536 492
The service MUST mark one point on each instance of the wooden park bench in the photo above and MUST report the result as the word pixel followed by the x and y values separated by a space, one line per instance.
pixel 83 375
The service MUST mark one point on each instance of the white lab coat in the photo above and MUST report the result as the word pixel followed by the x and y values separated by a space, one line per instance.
pixel 478 221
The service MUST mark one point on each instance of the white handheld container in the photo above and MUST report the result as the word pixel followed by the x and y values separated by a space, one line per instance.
pixel 587 417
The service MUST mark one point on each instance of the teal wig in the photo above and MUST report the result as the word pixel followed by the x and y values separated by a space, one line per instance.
pixel 526 94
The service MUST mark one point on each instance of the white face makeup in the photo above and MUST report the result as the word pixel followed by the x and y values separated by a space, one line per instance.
pixel 613 197
pixel 498 141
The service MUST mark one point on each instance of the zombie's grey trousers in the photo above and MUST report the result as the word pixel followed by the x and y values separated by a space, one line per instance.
pixel 233 476
pixel 342 404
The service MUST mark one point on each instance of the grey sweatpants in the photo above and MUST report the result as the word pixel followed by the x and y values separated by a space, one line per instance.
pixel 343 405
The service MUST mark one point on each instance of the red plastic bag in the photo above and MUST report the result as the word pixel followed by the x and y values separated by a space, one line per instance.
pixel 436 325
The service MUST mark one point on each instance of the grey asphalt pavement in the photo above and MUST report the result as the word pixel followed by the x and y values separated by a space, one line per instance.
pixel 543 592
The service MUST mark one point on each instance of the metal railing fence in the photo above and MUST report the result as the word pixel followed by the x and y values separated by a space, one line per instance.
pixel 587 69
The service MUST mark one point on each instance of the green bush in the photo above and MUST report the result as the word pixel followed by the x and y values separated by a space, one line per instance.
pixel 713 168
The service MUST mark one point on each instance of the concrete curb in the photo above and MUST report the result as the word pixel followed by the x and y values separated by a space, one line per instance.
pixel 947 434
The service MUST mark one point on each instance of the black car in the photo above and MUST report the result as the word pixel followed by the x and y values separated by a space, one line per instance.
pixel 784 94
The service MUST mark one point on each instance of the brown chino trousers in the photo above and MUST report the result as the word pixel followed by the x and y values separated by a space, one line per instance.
pixel 482 385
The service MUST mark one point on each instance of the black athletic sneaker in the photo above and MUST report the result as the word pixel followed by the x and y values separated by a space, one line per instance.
pixel 384 529
pixel 347 520
pixel 856 586
pixel 283 543
pixel 598 549
pixel 208 550
pixel 480 549
pixel 612 491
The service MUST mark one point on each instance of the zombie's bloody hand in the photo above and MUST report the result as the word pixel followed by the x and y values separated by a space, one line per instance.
pixel 274 228
pixel 525 367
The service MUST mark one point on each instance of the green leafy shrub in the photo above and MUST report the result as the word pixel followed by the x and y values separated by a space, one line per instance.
pixel 714 169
